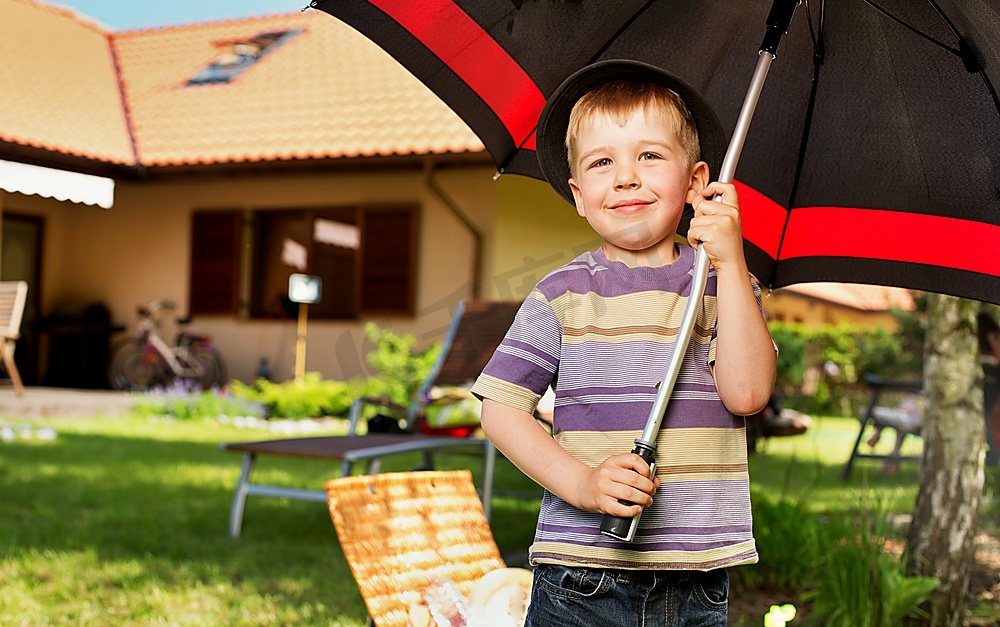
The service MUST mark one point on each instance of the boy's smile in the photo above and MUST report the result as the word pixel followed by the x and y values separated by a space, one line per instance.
pixel 631 183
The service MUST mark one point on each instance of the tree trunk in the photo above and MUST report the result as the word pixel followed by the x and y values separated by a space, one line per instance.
pixel 941 540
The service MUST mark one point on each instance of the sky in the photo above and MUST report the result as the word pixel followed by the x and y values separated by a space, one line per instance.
pixel 133 14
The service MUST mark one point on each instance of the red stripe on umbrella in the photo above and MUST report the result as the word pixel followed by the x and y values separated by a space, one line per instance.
pixel 893 236
pixel 763 219
pixel 477 59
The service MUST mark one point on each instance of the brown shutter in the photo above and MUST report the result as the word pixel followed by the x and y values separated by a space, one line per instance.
pixel 388 260
pixel 215 262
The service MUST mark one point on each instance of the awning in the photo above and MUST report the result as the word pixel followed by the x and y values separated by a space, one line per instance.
pixel 58 184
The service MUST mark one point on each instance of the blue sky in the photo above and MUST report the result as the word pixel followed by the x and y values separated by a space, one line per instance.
pixel 132 14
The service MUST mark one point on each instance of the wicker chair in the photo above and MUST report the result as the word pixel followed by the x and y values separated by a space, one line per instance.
pixel 400 532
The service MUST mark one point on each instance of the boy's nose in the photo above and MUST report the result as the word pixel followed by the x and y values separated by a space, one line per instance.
pixel 626 178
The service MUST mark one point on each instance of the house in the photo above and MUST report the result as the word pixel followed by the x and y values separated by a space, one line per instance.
pixel 204 164
pixel 243 151
pixel 836 303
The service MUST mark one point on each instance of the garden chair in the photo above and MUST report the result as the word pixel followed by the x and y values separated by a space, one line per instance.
pixel 401 532
pixel 13 296
pixel 477 328
pixel 880 417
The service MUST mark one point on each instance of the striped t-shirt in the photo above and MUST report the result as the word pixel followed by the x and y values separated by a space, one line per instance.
pixel 601 334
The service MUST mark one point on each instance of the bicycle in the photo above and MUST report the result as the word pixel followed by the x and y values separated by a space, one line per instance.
pixel 147 360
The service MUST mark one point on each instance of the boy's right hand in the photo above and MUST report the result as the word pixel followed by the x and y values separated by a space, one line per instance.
pixel 620 477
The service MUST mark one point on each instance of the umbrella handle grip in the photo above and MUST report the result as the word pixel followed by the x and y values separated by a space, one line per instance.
pixel 619 527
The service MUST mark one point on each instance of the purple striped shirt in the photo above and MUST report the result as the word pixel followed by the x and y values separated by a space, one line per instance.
pixel 601 333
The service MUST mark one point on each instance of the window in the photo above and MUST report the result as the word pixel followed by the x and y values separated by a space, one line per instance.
pixel 366 257
pixel 238 55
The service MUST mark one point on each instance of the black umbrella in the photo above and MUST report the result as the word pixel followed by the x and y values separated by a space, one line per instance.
pixel 879 158
pixel 874 155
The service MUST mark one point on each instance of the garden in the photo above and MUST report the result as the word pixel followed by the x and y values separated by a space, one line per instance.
pixel 123 520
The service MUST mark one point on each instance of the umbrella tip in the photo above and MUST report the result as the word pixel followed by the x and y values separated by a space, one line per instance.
pixel 496 175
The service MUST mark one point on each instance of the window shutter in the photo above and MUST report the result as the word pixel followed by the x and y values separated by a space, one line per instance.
pixel 215 262
pixel 388 260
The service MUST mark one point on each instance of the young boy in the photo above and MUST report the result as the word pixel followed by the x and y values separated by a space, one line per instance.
pixel 630 146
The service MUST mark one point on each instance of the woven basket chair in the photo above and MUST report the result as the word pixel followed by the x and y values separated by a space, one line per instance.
pixel 402 531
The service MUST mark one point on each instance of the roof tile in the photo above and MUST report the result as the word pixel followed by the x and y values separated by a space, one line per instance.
pixel 326 93
pixel 60 89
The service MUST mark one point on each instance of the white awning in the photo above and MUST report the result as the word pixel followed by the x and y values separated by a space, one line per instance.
pixel 58 184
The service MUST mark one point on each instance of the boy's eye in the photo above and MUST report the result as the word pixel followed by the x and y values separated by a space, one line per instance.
pixel 601 163
pixel 646 156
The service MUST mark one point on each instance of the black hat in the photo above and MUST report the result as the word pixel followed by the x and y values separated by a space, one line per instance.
pixel 550 137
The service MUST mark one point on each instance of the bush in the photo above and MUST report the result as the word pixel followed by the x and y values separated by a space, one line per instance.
pixel 861 584
pixel 838 356
pixel 787 537
pixel 311 397
pixel 183 402
pixel 399 372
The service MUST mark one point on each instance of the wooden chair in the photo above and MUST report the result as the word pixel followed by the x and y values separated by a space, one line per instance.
pixel 401 532
pixel 477 329
pixel 13 296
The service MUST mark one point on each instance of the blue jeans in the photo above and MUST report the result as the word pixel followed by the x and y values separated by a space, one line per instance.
pixel 563 596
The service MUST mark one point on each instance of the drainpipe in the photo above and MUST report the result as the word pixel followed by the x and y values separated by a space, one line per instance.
pixel 477 236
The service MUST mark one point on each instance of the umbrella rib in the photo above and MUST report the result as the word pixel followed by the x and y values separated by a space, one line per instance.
pixel 963 51
pixel 957 52
pixel 622 29
pixel 809 21
pixel 818 58
pixel 972 64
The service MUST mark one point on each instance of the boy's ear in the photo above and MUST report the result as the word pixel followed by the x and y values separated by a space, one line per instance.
pixel 699 180
pixel 577 198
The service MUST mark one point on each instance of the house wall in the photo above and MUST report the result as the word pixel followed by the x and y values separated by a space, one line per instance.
pixel 139 251
pixel 536 231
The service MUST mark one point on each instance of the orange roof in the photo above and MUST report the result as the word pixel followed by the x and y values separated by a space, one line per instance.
pixel 857 296
pixel 59 88
pixel 325 93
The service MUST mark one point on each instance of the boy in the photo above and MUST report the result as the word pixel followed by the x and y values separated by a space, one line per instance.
pixel 630 145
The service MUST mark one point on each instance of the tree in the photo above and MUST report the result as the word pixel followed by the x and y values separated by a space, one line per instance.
pixel 941 539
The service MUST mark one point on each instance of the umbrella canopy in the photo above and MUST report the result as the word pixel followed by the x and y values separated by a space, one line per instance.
pixel 874 153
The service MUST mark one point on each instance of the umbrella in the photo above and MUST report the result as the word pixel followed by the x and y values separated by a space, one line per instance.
pixel 874 153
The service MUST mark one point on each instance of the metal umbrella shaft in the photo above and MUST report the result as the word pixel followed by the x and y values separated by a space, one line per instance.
pixel 623 528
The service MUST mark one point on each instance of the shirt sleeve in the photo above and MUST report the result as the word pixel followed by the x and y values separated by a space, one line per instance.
pixel 525 363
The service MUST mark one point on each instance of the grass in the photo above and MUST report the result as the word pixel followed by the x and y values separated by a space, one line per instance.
pixel 809 467
pixel 124 521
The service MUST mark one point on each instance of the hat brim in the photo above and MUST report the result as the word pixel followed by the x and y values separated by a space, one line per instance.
pixel 550 136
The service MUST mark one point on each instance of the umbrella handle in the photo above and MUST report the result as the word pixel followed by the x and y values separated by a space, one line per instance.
pixel 619 527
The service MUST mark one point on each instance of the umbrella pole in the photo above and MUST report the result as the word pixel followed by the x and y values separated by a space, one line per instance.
pixel 645 446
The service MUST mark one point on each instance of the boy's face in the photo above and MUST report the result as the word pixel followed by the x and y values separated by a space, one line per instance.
pixel 631 183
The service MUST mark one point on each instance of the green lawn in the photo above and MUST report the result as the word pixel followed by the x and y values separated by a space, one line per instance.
pixel 124 521
pixel 809 467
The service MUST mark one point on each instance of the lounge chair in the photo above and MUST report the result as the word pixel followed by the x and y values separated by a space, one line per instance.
pixel 903 419
pixel 402 532
pixel 476 330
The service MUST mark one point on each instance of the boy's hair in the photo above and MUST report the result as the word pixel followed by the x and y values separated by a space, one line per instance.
pixel 619 99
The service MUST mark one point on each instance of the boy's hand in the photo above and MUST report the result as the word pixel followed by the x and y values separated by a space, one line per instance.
pixel 716 225
pixel 624 477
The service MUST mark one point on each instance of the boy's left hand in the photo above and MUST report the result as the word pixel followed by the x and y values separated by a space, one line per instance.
pixel 716 225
